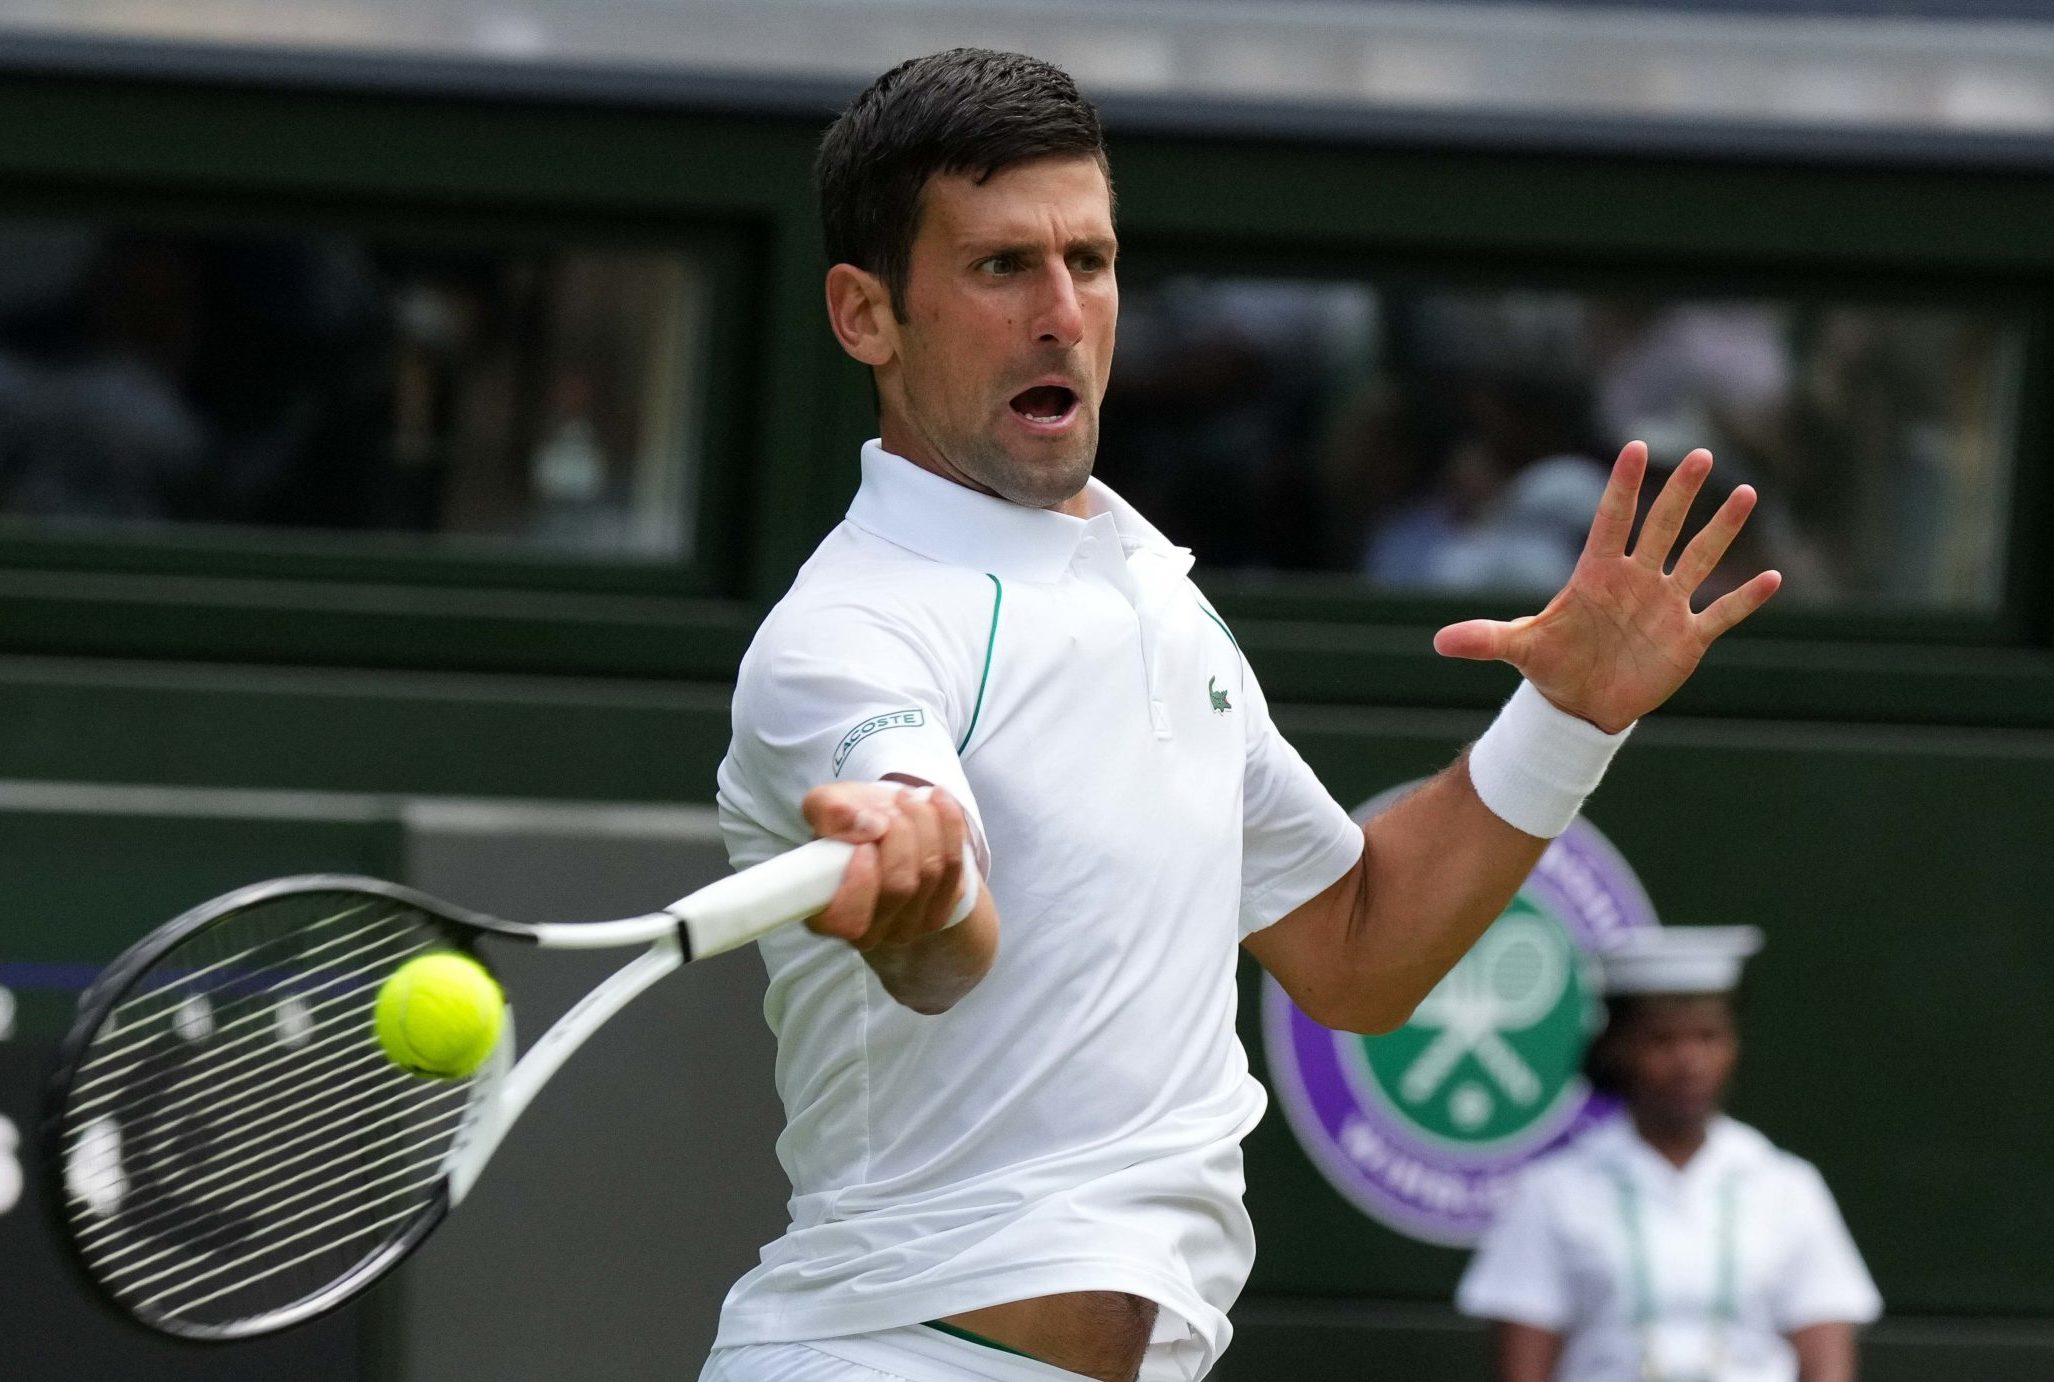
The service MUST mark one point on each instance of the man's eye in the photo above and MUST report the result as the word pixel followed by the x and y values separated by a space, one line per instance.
pixel 1000 265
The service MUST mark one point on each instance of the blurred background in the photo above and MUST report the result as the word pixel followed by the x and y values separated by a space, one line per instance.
pixel 408 408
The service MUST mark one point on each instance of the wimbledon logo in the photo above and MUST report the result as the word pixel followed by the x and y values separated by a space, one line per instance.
pixel 1422 1129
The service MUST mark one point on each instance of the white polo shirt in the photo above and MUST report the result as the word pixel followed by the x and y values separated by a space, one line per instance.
pixel 1074 1123
pixel 1609 1244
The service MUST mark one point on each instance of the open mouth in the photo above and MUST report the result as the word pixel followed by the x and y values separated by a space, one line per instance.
pixel 1045 405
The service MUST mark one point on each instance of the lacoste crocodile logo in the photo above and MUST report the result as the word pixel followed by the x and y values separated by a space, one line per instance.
pixel 1220 704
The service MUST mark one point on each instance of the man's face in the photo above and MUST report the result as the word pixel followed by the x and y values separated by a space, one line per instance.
pixel 1011 306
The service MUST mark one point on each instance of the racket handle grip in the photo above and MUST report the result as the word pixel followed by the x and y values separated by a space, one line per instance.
pixel 789 887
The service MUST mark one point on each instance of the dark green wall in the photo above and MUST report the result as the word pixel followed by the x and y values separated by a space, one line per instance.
pixel 1872 790
pixel 1894 1028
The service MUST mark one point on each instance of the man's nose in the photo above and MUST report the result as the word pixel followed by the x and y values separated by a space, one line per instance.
pixel 1061 317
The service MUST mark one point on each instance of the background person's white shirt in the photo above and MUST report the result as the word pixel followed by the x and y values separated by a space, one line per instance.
pixel 1559 1257
pixel 1073 1123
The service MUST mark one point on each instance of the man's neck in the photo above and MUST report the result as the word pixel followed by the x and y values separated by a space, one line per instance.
pixel 1677 1142
pixel 909 445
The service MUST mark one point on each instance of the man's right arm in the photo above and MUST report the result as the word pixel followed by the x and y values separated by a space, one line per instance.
pixel 902 885
pixel 850 716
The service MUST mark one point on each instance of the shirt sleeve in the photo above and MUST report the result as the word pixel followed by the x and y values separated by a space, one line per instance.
pixel 1825 1279
pixel 1519 1273
pixel 829 696
pixel 1295 838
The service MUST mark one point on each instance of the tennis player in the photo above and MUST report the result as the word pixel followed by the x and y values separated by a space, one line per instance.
pixel 1014 1142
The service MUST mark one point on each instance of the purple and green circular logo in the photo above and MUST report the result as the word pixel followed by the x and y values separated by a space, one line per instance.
pixel 1423 1128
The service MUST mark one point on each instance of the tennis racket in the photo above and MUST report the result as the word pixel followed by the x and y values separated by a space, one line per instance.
pixel 231 1151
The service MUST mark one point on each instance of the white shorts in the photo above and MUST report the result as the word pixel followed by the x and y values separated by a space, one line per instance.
pixel 913 1353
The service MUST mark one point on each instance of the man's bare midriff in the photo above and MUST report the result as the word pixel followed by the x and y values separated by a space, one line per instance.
pixel 1100 1334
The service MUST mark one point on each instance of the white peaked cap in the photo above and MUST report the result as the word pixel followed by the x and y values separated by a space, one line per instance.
pixel 1679 959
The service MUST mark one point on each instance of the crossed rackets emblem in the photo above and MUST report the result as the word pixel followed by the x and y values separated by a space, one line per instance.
pixel 1508 982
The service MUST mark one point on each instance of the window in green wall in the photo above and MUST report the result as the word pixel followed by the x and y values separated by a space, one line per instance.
pixel 1427 439
pixel 448 398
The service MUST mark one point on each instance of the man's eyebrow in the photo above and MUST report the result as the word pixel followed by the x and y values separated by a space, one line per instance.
pixel 983 247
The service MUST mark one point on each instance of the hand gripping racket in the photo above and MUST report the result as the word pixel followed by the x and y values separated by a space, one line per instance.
pixel 231 1151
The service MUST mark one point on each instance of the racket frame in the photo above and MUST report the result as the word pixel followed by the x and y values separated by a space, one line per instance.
pixel 502 1088
pixel 107 991
pixel 724 915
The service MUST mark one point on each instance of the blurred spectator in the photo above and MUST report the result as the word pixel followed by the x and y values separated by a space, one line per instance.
pixel 175 378
pixel 92 421
pixel 1218 394
pixel 1427 440
pixel 1516 492
pixel 1679 376
pixel 315 381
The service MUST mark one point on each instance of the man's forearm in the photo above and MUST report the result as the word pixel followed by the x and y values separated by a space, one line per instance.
pixel 932 974
pixel 1436 870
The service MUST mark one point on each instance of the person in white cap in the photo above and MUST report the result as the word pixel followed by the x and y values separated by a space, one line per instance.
pixel 1671 1243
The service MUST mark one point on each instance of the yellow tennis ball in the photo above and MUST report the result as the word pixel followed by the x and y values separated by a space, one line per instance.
pixel 440 1014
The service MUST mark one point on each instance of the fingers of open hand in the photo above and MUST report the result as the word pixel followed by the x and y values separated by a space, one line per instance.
pixel 1702 554
pixel 1729 609
pixel 1665 517
pixel 1614 521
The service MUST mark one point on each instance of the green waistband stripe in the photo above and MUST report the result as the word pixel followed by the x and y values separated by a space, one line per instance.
pixel 967 1337
pixel 998 597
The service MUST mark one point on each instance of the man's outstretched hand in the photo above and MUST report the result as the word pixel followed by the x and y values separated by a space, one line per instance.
pixel 1620 637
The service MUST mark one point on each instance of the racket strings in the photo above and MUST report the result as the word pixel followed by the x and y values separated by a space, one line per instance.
pixel 258 1159
pixel 174 1121
pixel 187 1308
pixel 434 1143
pixel 258 1059
pixel 236 1142
pixel 193 1014
pixel 126 1280
pixel 174 983
pixel 169 985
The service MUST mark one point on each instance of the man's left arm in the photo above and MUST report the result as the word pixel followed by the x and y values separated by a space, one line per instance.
pixel 1439 866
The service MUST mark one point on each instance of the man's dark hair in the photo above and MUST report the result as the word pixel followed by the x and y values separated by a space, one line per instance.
pixel 968 110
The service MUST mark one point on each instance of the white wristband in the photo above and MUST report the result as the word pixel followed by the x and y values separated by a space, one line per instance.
pixel 969 898
pixel 1535 764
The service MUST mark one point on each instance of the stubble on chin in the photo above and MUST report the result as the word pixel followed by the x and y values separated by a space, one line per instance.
pixel 1041 482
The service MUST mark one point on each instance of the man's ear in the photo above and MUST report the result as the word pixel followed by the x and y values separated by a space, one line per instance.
pixel 860 311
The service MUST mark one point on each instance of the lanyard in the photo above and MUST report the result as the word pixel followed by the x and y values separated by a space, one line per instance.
pixel 1725 1301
